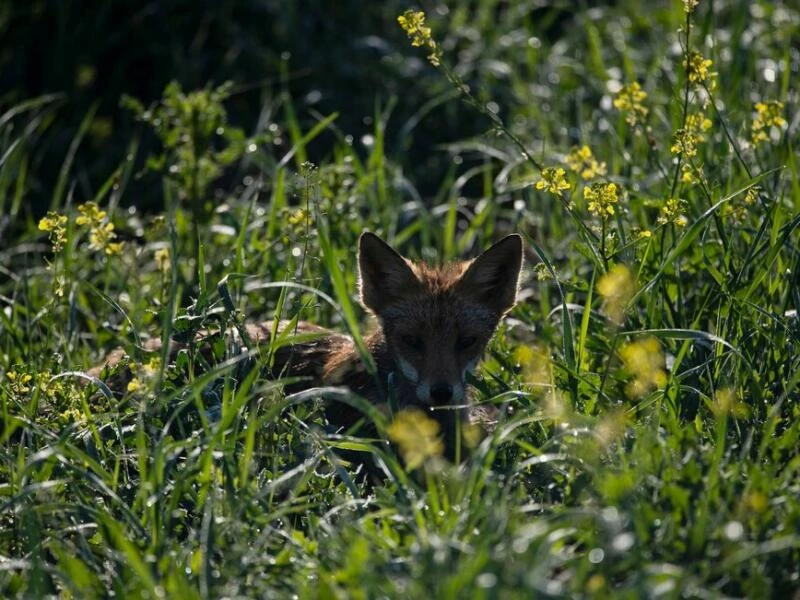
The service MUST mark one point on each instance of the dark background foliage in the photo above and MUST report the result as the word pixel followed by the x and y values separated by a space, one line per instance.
pixel 349 57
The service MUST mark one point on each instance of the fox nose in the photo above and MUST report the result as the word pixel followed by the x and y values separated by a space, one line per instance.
pixel 441 392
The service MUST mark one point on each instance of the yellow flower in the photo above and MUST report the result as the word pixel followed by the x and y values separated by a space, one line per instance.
pixel 152 366
pixel 738 208
pixel 688 175
pixel 298 217
pixel 162 259
pixel 697 67
pixel 616 287
pixel 698 124
pixel 115 248
pixel 101 235
pixel 752 195
pixel 134 385
pixel 52 221
pixel 581 161
pixel 601 198
pixel 690 5
pixel 672 211
pixel 56 225
pixel 683 142
pixel 553 181
pixel 69 416
pixel 417 436
pixel 629 100
pixel 644 360
pixel 48 386
pixel 90 214
pixel 18 382
pixel 542 272
pixel 686 139
pixel 413 23
pixel 768 115
pixel 101 231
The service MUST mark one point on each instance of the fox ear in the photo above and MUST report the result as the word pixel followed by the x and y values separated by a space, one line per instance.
pixel 492 278
pixel 384 274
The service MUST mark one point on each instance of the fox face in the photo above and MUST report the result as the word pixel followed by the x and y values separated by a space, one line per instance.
pixel 436 321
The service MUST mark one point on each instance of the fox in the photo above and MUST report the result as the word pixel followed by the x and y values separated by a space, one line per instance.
pixel 433 323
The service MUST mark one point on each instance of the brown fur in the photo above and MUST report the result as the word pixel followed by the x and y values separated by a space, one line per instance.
pixel 433 325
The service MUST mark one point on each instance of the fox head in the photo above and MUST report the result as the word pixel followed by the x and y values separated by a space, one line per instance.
pixel 436 321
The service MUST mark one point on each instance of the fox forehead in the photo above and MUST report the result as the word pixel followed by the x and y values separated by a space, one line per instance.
pixel 437 307
pixel 439 313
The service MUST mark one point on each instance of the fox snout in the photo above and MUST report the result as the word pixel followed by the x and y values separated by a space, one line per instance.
pixel 432 386
pixel 440 393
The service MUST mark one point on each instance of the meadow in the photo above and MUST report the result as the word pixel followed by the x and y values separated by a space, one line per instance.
pixel 647 379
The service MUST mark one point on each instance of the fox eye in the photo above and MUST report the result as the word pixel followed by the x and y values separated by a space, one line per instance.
pixel 414 342
pixel 466 342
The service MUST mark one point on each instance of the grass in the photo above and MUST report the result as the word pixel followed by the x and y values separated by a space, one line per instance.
pixel 648 376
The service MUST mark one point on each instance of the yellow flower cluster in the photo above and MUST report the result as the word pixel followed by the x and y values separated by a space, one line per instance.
pixel 553 181
pixel 298 217
pixel 752 195
pixel 616 287
pixel 581 161
pixel 672 212
pixel 134 385
pixel 90 215
pixel 686 139
pixel 601 198
pixel 738 210
pixel 56 225
pixel 18 382
pixel 144 374
pixel 644 360
pixel 689 175
pixel 542 272
pixel 100 238
pixel 698 124
pixel 768 115
pixel 101 231
pixel 690 5
pixel 684 142
pixel 417 436
pixel 629 100
pixel 413 23
pixel 43 382
pixel 697 68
